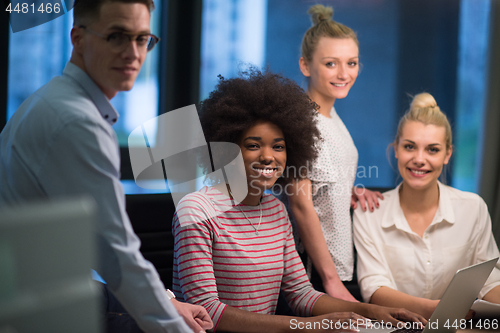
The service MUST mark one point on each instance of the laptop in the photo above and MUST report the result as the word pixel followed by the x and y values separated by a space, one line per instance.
pixel 453 306
pixel 46 253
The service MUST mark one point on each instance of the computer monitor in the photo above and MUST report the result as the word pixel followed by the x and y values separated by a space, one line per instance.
pixel 46 254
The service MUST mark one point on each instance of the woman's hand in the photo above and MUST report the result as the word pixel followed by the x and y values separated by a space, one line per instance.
pixel 365 197
pixel 334 322
pixel 394 315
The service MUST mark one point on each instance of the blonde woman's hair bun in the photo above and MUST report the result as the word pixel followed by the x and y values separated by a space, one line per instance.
pixel 320 13
pixel 423 100
pixel 425 110
pixel 323 26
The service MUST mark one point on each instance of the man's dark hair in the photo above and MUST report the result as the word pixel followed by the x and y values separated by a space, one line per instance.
pixel 237 104
pixel 88 10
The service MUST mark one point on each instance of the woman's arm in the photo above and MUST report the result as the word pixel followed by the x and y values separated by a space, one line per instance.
pixel 240 321
pixel 373 269
pixel 487 249
pixel 236 320
pixel 327 304
pixel 311 235
pixel 193 279
pixel 493 295
pixel 389 297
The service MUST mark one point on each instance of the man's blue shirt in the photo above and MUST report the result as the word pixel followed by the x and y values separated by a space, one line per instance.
pixel 60 143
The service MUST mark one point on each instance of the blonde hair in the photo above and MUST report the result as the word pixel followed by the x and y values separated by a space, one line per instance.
pixel 424 109
pixel 323 26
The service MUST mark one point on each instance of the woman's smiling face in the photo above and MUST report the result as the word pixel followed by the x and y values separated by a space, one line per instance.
pixel 264 154
pixel 421 153
pixel 333 68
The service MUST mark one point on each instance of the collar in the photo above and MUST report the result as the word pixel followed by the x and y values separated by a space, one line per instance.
pixel 333 111
pixel 445 210
pixel 394 215
pixel 102 103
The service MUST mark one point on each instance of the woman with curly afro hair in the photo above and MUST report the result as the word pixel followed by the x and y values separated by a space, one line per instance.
pixel 234 256
pixel 239 103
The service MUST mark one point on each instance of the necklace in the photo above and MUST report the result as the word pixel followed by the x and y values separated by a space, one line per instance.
pixel 260 219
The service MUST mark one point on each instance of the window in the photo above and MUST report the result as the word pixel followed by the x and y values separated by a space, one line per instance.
pixel 38 54
pixel 270 34
pixel 401 53
pixel 233 34
pixel 471 90
pixel 405 48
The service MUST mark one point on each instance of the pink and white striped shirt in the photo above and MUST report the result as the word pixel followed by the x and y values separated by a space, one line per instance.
pixel 220 260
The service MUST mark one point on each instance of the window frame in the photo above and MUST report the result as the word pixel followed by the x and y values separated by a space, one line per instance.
pixel 179 74
pixel 4 69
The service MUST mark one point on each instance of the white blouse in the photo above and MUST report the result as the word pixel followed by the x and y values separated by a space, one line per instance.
pixel 332 177
pixel 390 254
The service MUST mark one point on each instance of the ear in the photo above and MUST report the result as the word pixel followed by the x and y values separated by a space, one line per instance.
pixel 304 68
pixel 395 146
pixel 448 155
pixel 77 39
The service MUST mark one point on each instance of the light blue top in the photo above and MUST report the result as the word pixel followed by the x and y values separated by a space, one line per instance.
pixel 60 143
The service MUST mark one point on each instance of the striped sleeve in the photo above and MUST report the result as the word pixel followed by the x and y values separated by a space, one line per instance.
pixel 295 285
pixel 194 230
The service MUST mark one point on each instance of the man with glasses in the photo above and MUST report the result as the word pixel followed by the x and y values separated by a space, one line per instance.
pixel 60 143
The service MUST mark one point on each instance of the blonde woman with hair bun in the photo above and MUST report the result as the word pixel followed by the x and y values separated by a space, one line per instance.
pixel 320 205
pixel 424 231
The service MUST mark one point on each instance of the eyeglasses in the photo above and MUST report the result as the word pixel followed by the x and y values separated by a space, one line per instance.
pixel 119 40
